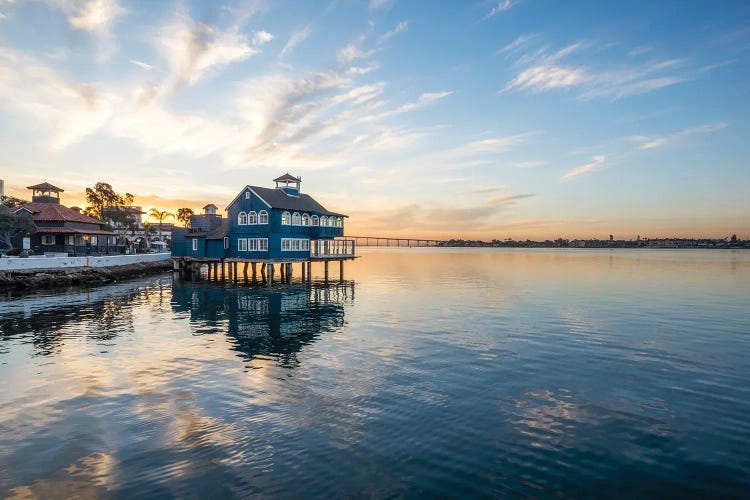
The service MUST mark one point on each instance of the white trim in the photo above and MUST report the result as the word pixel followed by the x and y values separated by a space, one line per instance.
pixel 247 188
pixel 259 214
pixel 226 242
pixel 305 217
pixel 242 242
pixel 195 244
pixel 289 218
pixel 250 215
pixel 299 219
pixel 301 244
pixel 315 221
pixel 23 208
pixel 239 219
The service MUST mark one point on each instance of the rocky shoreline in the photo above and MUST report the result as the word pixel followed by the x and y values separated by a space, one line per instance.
pixel 32 280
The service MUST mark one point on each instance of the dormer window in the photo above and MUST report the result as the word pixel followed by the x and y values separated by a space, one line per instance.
pixel 296 219
pixel 305 220
pixel 315 221
pixel 286 218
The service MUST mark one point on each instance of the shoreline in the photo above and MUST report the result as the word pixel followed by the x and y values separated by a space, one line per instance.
pixel 29 281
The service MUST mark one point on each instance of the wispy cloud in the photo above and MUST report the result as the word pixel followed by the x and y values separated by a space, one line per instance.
pixel 519 42
pixel 295 39
pixel 352 52
pixel 593 72
pixel 400 27
pixel 502 6
pixel 141 64
pixel 684 135
pixel 599 162
pixel 192 49
pixel 94 14
pixel 261 37
pixel 376 4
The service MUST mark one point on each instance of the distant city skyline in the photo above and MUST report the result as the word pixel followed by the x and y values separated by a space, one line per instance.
pixel 502 119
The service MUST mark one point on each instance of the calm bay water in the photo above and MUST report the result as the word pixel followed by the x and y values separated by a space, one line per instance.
pixel 427 372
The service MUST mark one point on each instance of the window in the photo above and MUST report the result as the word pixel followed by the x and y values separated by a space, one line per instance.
pixel 295 244
pixel 71 240
pixel 247 195
pixel 94 240
pixel 305 220
pixel 252 244
pixel 195 244
pixel 263 217
pixel 48 239
pixel 263 244
pixel 286 219
pixel 324 221
pixel 339 222
pixel 242 244
pixel 226 242
pixel 315 220
pixel 242 219
pixel 252 218
pixel 296 219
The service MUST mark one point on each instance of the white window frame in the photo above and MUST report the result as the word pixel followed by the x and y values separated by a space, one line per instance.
pixel 226 242
pixel 242 244
pixel 70 240
pixel 46 239
pixel 252 244
pixel 252 218
pixel 286 218
pixel 305 219
pixel 195 244
pixel 323 221
pixel 94 241
pixel 247 195
pixel 295 244
pixel 262 244
pixel 242 219
pixel 296 219
pixel 315 220
pixel 262 217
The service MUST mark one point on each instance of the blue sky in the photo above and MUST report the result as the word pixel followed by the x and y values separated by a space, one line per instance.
pixel 490 119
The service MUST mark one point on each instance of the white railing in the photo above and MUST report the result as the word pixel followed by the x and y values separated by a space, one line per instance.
pixel 331 248
pixel 40 263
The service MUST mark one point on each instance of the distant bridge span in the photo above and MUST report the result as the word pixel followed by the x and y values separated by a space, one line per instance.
pixel 381 241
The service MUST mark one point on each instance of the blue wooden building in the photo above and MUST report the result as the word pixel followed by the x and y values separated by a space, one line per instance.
pixel 279 225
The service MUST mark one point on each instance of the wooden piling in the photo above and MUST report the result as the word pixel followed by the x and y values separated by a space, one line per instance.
pixel 309 272
pixel 326 270
pixel 341 270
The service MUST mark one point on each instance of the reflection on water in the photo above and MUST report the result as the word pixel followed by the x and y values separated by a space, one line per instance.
pixel 263 323
pixel 453 373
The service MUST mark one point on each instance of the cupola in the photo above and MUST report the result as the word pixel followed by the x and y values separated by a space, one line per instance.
pixel 45 193
pixel 289 184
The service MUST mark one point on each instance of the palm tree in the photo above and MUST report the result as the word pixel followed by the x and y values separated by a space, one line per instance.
pixel 159 215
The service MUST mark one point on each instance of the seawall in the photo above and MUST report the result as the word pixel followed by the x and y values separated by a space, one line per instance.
pixel 23 275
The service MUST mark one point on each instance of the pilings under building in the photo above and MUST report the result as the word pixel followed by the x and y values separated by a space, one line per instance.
pixel 261 272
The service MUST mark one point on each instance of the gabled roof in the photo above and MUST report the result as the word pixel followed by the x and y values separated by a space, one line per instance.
pixel 287 177
pixel 210 205
pixel 44 212
pixel 276 198
pixel 45 186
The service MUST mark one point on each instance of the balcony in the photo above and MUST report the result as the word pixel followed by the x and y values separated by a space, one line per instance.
pixel 331 249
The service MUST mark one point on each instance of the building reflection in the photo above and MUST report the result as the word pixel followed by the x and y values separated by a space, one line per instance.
pixel 276 324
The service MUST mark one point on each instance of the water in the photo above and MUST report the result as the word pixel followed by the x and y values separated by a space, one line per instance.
pixel 426 373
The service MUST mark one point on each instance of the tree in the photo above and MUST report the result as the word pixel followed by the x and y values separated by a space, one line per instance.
pixel 183 215
pixel 14 225
pixel 734 239
pixel 102 196
pixel 13 202
pixel 159 215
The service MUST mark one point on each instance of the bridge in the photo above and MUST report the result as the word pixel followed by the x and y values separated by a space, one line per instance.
pixel 382 241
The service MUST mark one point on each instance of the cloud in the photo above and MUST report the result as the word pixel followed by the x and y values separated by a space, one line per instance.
pixel 501 6
pixel 295 39
pixel 191 49
pixel 600 76
pixel 261 37
pixel 519 42
pixel 361 70
pixel 424 100
pixel 684 135
pixel 141 64
pixel 95 15
pixel 599 162
pixel 400 27
pixel 352 52
pixel 376 4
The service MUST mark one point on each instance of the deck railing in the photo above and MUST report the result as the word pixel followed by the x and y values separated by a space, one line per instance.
pixel 331 248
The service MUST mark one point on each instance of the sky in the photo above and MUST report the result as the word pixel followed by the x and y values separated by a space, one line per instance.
pixel 452 119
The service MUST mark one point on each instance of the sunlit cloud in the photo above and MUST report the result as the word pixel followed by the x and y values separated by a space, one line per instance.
pixel 296 38
pixel 501 6
pixel 599 162
pixel 261 37
pixel 141 64
pixel 400 27
pixel 530 164
pixel 684 135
